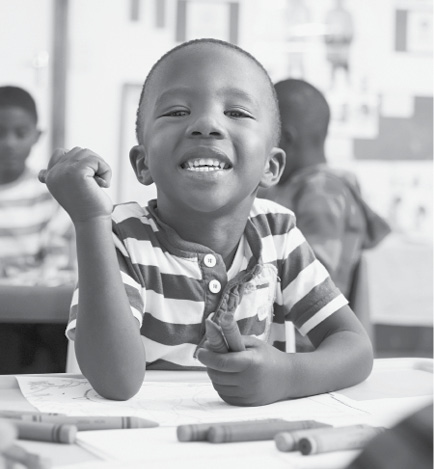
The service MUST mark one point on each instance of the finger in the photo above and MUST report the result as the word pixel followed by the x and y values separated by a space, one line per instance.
pixel 56 156
pixel 103 173
pixel 231 332
pixel 215 341
pixel 228 362
pixel 220 378
pixel 251 341
pixel 42 175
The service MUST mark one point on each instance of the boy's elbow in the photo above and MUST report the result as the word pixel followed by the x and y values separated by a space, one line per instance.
pixel 117 390
pixel 366 357
pixel 114 386
pixel 118 393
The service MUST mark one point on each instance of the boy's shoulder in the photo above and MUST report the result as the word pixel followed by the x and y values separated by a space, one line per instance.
pixel 269 207
pixel 124 210
pixel 277 217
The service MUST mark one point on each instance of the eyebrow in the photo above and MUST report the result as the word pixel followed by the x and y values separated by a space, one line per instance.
pixel 232 92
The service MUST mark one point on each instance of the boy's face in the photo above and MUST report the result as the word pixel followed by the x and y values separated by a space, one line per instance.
pixel 207 137
pixel 18 133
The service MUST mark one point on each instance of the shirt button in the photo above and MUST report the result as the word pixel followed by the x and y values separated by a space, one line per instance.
pixel 209 260
pixel 214 286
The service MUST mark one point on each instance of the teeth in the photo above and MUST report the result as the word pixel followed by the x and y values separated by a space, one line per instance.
pixel 205 164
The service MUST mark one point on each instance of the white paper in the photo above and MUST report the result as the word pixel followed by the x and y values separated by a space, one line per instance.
pixel 172 404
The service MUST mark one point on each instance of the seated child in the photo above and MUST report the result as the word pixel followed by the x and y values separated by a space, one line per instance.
pixel 207 129
pixel 35 237
pixel 35 231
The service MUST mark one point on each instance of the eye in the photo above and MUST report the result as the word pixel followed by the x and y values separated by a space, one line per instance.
pixel 176 113
pixel 238 113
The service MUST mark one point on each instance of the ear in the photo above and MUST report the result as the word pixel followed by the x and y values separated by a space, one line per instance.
pixel 139 163
pixel 273 168
pixel 37 136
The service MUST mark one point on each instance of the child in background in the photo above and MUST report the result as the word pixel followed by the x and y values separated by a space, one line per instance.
pixel 35 232
pixel 207 128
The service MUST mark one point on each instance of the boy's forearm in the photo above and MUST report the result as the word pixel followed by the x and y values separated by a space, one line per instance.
pixel 343 359
pixel 109 348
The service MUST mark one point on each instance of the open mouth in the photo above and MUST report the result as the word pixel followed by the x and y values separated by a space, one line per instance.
pixel 205 164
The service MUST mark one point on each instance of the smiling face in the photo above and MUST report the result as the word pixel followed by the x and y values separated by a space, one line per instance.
pixel 207 131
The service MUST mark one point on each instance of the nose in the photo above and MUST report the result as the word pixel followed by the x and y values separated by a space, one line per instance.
pixel 206 125
pixel 9 140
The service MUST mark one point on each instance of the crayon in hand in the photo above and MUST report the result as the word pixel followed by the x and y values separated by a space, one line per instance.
pixel 231 332
pixel 215 340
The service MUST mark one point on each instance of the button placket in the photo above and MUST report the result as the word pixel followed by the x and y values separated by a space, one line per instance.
pixel 214 286
pixel 209 260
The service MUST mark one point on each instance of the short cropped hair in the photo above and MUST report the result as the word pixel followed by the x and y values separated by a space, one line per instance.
pixel 274 103
pixel 13 96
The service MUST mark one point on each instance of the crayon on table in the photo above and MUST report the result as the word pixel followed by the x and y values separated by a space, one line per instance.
pixel 216 342
pixel 17 414
pixel 199 431
pixel 231 332
pixel 53 432
pixel 339 439
pixel 8 434
pixel 256 431
pixel 84 423
pixel 287 441
pixel 16 454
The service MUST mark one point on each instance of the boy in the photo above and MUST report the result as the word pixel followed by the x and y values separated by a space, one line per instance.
pixel 207 128
pixel 32 225
pixel 34 241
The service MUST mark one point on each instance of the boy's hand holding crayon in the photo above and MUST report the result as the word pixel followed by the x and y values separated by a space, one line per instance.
pixel 244 370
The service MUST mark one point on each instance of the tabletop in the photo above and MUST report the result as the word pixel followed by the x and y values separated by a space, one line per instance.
pixel 401 385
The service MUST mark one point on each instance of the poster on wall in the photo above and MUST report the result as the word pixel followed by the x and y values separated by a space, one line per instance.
pixel 216 19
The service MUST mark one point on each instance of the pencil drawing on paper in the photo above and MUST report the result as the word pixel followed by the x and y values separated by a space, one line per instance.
pixel 169 403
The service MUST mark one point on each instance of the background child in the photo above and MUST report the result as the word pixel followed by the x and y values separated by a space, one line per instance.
pixel 207 128
pixel 35 235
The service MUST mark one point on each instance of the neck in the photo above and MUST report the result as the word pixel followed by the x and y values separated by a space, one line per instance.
pixel 221 233
pixel 305 158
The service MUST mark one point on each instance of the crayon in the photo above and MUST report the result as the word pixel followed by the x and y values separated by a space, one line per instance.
pixel 17 414
pixel 199 431
pixel 215 340
pixel 338 439
pixel 287 441
pixel 256 431
pixel 231 332
pixel 56 433
pixel 16 454
pixel 84 423
pixel 8 433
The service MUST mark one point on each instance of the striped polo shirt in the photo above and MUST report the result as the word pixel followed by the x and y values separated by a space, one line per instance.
pixel 32 226
pixel 173 284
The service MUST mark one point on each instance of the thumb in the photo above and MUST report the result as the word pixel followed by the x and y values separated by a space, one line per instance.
pixel 55 157
pixel 252 341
